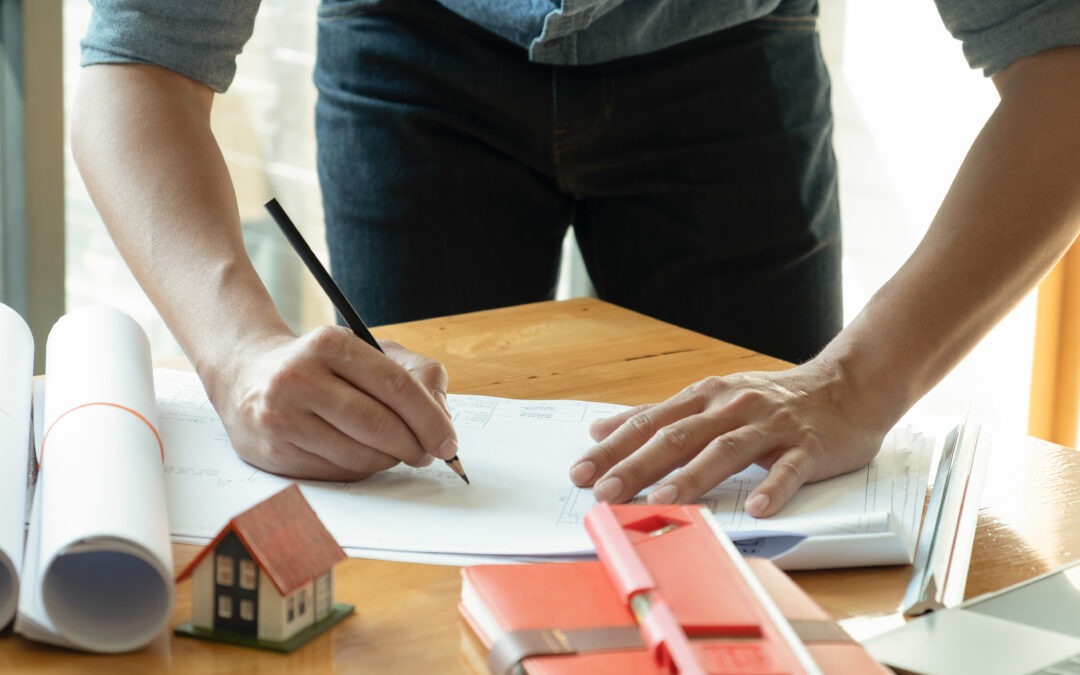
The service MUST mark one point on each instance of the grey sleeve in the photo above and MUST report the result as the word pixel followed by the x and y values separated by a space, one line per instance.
pixel 997 32
pixel 197 38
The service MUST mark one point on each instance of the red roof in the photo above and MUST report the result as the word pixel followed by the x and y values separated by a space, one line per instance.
pixel 286 539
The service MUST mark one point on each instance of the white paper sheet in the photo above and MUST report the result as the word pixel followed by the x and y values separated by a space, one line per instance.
pixel 16 387
pixel 98 569
pixel 521 502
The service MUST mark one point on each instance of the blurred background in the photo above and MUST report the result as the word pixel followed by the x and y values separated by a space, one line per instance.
pixel 907 108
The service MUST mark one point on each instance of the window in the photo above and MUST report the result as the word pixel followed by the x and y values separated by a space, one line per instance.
pixel 224 607
pixel 248 574
pixel 265 126
pixel 302 601
pixel 32 164
pixel 290 609
pixel 224 570
pixel 247 610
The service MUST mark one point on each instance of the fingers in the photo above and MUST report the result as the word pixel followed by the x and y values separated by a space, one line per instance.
pixel 345 424
pixel 382 404
pixel 631 430
pixel 602 428
pixel 327 406
pixel 718 427
pixel 288 459
pixel 785 476
pixel 427 371
pixel 396 385
pixel 650 442
pixel 709 451
pixel 721 458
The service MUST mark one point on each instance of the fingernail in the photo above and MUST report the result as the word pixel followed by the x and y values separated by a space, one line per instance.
pixel 665 494
pixel 757 505
pixel 608 489
pixel 582 472
pixel 448 448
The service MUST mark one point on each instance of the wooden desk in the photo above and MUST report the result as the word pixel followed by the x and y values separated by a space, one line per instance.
pixel 406 619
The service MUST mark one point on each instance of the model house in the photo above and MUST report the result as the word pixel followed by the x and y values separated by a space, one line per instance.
pixel 267 577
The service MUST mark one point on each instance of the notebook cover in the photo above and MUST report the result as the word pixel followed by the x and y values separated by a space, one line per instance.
pixel 580 595
pixel 543 595
pixel 832 656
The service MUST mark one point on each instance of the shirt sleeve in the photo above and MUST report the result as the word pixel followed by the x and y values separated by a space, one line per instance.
pixel 196 38
pixel 996 33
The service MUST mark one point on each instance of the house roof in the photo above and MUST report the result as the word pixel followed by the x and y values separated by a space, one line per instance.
pixel 286 539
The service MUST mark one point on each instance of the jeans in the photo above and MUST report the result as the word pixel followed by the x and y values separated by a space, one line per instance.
pixel 699 180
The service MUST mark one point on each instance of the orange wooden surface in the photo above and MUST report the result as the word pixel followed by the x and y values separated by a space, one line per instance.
pixel 406 619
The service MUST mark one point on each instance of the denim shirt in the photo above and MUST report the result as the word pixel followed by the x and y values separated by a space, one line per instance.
pixel 201 38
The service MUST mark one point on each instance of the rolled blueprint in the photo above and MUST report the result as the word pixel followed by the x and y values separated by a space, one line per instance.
pixel 98 551
pixel 16 390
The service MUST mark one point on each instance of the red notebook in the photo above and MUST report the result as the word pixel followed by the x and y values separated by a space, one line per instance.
pixel 570 618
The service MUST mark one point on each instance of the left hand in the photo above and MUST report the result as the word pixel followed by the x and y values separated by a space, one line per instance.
pixel 801 424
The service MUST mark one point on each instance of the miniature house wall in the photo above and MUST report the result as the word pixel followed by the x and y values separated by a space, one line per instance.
pixel 268 574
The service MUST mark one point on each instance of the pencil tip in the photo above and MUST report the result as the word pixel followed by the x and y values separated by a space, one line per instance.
pixel 455 464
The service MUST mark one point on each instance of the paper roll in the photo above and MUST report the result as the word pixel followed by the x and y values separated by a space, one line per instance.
pixel 16 374
pixel 103 548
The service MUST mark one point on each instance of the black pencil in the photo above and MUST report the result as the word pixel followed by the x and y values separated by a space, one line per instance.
pixel 341 303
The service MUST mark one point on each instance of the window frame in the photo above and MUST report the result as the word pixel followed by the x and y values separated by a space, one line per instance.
pixel 32 164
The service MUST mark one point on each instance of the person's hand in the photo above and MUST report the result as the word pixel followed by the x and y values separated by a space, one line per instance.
pixel 328 406
pixel 797 423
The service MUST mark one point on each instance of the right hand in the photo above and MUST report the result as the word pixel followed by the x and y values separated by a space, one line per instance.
pixel 328 406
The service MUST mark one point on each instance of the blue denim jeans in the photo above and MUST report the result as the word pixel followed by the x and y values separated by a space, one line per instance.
pixel 700 180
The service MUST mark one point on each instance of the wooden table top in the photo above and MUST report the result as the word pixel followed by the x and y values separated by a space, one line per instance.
pixel 406 619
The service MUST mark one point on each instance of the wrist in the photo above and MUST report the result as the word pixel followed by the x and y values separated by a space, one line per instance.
pixel 862 383
pixel 220 360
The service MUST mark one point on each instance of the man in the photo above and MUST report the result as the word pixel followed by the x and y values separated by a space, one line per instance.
pixel 688 143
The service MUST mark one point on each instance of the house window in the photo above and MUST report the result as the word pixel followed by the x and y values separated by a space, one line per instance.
pixel 224 606
pixel 302 601
pixel 224 570
pixel 248 574
pixel 247 610
pixel 290 609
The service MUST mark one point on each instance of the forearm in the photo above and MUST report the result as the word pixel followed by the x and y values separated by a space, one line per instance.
pixel 1012 211
pixel 141 138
